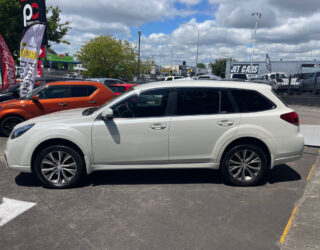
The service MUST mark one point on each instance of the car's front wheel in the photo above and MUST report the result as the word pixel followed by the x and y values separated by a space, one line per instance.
pixel 244 165
pixel 8 123
pixel 59 167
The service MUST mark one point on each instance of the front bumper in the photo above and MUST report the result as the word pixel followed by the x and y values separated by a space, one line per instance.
pixel 12 159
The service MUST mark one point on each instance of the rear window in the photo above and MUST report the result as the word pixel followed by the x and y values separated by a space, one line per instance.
pixel 118 89
pixel 251 101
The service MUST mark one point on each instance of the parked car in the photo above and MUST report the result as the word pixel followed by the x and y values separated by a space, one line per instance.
pixel 118 89
pixel 106 81
pixel 296 79
pixel 208 77
pixel 49 98
pixel 308 84
pixel 242 129
pixel 14 91
pixel 172 78
pixel 238 76
pixel 278 77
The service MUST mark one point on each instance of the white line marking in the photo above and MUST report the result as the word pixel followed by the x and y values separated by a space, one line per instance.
pixel 10 209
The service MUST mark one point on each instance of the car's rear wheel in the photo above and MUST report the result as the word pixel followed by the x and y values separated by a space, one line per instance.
pixel 59 167
pixel 8 123
pixel 244 165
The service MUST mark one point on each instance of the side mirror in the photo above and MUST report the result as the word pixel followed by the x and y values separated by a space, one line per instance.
pixel 107 114
pixel 35 98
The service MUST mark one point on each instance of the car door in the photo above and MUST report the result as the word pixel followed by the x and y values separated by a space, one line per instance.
pixel 52 98
pixel 138 132
pixel 201 118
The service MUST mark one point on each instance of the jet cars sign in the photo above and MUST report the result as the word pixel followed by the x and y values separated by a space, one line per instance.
pixel 33 12
pixel 244 69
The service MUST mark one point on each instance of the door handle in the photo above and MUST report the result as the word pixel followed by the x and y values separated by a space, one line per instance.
pixel 62 104
pixel 158 126
pixel 92 102
pixel 225 123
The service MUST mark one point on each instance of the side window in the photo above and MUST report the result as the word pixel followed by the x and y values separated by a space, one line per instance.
pixel 197 101
pixel 226 103
pixel 81 90
pixel 55 91
pixel 152 103
pixel 251 101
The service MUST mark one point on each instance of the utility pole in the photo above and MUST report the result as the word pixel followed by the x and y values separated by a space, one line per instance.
pixel 197 50
pixel 258 16
pixel 139 32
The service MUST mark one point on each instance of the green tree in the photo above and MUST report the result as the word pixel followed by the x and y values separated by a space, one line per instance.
pixel 201 66
pixel 218 68
pixel 11 26
pixel 146 66
pixel 105 56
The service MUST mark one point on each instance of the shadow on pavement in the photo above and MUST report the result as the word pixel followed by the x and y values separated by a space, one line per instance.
pixel 154 176
pixel 282 173
pixel 27 180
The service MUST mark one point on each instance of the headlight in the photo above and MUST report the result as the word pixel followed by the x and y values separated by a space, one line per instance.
pixel 20 131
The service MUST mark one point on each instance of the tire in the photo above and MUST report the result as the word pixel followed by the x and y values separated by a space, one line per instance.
pixel 244 165
pixel 59 170
pixel 8 123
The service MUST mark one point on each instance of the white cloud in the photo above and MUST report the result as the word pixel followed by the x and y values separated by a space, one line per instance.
pixel 288 29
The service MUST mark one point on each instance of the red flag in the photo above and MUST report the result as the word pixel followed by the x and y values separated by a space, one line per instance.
pixel 7 65
pixel 39 69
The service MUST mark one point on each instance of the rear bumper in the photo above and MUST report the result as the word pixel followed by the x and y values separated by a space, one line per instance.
pixel 286 159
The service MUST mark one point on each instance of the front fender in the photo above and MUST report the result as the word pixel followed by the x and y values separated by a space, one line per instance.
pixel 41 134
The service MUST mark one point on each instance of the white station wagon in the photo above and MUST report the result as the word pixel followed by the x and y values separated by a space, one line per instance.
pixel 243 129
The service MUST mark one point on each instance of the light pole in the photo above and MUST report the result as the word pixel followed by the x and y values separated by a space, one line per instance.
pixel 139 32
pixel 197 49
pixel 258 16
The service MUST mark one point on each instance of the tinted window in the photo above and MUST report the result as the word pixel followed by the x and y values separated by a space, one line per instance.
pixel 56 91
pixel 81 90
pixel 117 89
pixel 197 101
pixel 226 104
pixel 251 101
pixel 152 103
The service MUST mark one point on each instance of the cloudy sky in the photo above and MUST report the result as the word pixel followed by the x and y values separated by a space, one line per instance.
pixel 288 29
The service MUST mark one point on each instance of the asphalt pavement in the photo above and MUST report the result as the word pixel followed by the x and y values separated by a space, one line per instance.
pixel 166 209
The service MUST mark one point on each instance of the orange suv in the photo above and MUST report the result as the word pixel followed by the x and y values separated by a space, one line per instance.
pixel 52 97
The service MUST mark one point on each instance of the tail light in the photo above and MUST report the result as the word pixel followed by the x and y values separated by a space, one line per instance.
pixel 291 117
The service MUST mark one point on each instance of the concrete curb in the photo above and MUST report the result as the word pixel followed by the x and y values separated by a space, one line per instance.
pixel 303 228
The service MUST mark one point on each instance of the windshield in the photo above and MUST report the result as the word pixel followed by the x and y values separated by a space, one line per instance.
pixel 13 88
pixel 33 92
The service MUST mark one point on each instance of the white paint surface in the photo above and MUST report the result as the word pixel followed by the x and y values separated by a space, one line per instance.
pixel 10 209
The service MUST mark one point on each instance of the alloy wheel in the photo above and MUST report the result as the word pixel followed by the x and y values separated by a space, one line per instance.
pixel 58 167
pixel 244 165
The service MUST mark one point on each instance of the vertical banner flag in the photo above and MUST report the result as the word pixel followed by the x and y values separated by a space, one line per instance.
pixel 29 52
pixel 7 66
pixel 34 12
pixel 268 63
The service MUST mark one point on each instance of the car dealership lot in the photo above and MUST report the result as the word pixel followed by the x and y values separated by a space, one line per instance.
pixel 154 209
